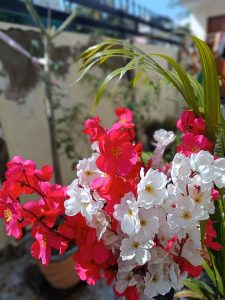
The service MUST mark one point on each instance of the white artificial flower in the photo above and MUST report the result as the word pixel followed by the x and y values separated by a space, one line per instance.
pixel 100 222
pixel 81 201
pixel 194 234
pixel 156 284
pixel 87 170
pixel 201 161
pixel 149 224
pixel 151 188
pixel 181 168
pixel 158 256
pixel 124 279
pixel 95 146
pixel 202 197
pixel 176 277
pixel 219 172
pixel 126 265
pixel 112 241
pixel 186 213
pixel 131 248
pixel 192 254
pixel 127 214
pixel 164 137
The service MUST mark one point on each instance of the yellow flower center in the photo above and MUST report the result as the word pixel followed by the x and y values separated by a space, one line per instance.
pixel 130 213
pixel 7 215
pixel 154 279
pixel 136 245
pixel 143 222
pixel 198 199
pixel 186 215
pixel 116 151
pixel 44 242
pixel 89 172
pixel 123 120
pixel 149 189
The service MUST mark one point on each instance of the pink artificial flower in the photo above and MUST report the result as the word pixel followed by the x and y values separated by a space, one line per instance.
pixel 45 174
pixel 89 272
pixel 10 212
pixel 125 115
pixel 194 143
pixel 117 154
pixel 215 194
pixel 93 129
pixel 188 122
pixel 45 241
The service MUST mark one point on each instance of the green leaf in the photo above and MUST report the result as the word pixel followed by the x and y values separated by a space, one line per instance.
pixel 211 89
pixel 189 294
pixel 214 276
pixel 137 77
pixel 187 88
pixel 200 287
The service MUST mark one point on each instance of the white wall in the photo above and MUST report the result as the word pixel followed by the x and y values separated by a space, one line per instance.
pixel 200 11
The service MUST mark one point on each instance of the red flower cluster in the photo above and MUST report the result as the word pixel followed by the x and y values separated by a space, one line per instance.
pixel 194 130
pixel 118 158
pixel 22 178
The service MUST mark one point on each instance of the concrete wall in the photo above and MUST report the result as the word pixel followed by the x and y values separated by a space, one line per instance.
pixel 25 125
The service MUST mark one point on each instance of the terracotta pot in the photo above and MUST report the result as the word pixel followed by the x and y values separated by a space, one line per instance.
pixel 60 272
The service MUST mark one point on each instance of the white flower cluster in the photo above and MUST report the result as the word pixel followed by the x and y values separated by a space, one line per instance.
pixel 157 226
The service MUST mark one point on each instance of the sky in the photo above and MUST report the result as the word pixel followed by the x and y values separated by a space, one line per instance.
pixel 161 7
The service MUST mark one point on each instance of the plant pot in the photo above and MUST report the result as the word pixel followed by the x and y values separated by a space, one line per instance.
pixel 60 272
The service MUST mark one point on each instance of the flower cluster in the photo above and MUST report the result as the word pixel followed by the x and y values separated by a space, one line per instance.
pixel 194 130
pixel 22 178
pixel 134 224
pixel 144 224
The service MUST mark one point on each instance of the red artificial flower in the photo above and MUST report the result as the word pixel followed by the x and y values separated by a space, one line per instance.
pixel 186 266
pixel 10 212
pixel 188 122
pixel 194 143
pixel 210 234
pixel 93 129
pixel 117 154
pixel 45 241
pixel 125 115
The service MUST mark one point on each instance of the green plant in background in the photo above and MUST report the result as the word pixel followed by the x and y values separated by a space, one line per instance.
pixel 203 99
pixel 48 35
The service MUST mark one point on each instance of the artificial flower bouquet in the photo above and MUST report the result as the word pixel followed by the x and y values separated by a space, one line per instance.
pixel 135 224
pixel 147 227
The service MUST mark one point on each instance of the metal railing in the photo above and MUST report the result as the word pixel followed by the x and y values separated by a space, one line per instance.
pixel 121 18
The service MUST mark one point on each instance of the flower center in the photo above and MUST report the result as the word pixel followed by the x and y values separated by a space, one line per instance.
pixel 123 120
pixel 136 245
pixel 154 279
pixel 130 213
pixel 44 242
pixel 195 149
pixel 89 172
pixel 187 215
pixel 198 199
pixel 116 151
pixel 149 189
pixel 143 222
pixel 7 215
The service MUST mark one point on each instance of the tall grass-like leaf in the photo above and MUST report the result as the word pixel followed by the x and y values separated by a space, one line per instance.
pixel 214 276
pixel 211 88
pixel 189 94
